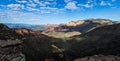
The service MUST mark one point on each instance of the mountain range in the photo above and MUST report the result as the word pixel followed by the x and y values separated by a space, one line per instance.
pixel 99 41
pixel 80 25
pixel 84 25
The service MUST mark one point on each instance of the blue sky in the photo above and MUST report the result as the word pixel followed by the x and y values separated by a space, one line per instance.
pixel 57 11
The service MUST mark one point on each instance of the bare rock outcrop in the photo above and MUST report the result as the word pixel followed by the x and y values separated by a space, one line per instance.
pixel 99 58
pixel 10 50
pixel 72 23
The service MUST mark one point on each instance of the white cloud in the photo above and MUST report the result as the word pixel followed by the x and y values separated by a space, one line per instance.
pixel 50 5
pixel 47 3
pixel 39 2
pixel 45 11
pixel 51 0
pixel 42 3
pixel 21 1
pixel 31 4
pixel 32 9
pixel 71 5
pixel 89 1
pixel 13 17
pixel 58 11
pixel 31 1
pixel 51 10
pixel 104 3
pixel 2 14
pixel 36 6
pixel 48 8
pixel 67 1
pixel 36 1
pixel 86 5
pixel 15 6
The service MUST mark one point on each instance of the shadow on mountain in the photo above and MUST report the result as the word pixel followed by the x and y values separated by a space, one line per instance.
pixel 102 40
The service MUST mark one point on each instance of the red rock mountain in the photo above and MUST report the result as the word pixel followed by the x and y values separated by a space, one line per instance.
pixel 81 25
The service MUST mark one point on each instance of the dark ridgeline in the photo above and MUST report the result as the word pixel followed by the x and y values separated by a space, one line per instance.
pixel 10 45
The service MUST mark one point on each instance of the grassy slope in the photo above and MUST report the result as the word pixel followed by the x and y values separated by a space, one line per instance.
pixel 61 35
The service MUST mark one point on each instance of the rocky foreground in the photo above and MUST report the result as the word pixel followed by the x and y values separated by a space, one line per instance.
pixel 99 58
pixel 10 50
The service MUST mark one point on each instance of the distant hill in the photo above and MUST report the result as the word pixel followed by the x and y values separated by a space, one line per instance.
pixel 28 26
pixel 86 25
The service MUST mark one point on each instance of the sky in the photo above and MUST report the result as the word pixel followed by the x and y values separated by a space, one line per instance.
pixel 57 11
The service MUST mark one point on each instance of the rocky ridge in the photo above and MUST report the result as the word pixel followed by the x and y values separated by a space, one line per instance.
pixel 10 45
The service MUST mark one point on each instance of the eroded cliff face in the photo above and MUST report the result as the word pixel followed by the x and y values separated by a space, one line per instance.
pixel 72 23
pixel 10 45
pixel 22 31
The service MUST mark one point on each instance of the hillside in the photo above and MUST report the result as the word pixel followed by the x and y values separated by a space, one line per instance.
pixel 23 44
pixel 61 35
pixel 67 30
pixel 102 40
pixel 10 45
